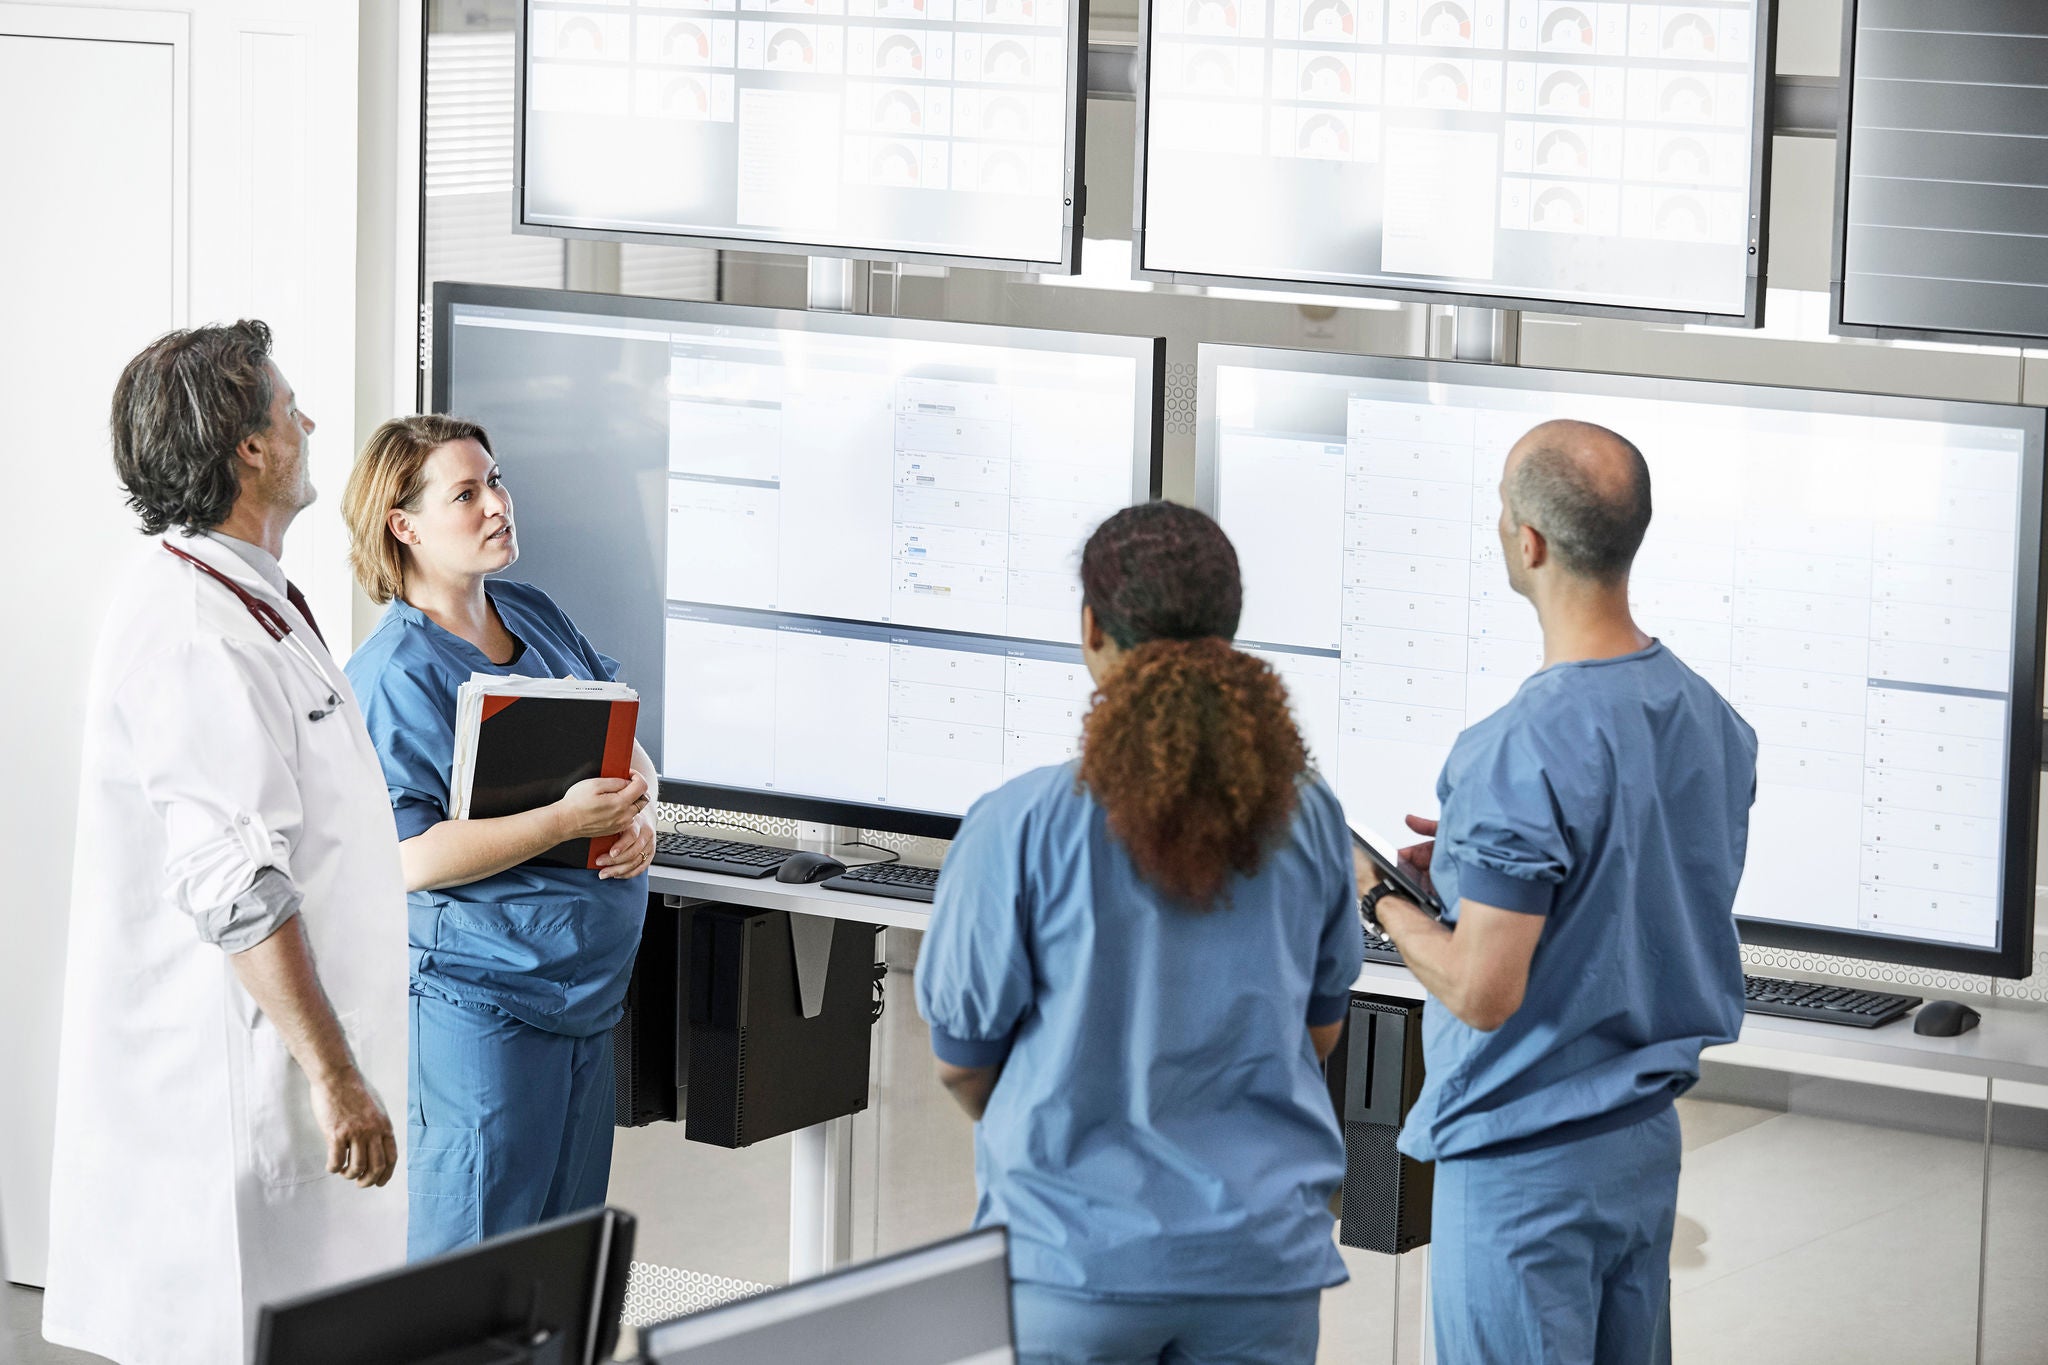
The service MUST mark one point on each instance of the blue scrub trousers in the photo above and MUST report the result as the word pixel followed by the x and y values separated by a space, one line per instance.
pixel 1066 1327
pixel 507 1125
pixel 1558 1256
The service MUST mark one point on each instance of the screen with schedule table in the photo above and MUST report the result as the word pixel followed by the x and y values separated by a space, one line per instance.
pixel 1850 573
pixel 838 555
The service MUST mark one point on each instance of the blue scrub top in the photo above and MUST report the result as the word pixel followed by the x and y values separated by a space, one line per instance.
pixel 1612 796
pixel 1161 1126
pixel 551 946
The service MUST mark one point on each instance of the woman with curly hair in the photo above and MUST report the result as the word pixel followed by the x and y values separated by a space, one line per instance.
pixel 1135 965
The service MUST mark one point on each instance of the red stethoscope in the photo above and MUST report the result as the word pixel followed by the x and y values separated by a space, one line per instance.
pixel 274 625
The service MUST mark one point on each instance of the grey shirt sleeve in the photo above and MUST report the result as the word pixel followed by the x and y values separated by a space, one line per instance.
pixel 271 900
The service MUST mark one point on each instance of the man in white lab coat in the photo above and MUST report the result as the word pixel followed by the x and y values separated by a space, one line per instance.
pixel 235 991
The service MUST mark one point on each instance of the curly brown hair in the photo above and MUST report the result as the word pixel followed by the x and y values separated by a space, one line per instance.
pixel 1190 748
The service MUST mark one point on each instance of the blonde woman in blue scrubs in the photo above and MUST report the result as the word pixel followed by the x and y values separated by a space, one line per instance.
pixel 519 970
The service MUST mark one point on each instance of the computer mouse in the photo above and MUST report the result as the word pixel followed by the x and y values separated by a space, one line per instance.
pixel 1945 1018
pixel 803 866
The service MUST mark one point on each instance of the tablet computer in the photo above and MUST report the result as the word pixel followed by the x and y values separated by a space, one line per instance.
pixel 1386 856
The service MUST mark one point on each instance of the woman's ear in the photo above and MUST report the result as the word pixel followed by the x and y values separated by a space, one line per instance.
pixel 1091 629
pixel 401 527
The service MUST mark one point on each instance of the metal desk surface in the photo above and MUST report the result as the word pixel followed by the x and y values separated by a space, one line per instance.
pixel 765 893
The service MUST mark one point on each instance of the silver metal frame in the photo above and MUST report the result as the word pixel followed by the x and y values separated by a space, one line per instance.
pixel 1752 315
pixel 2013 957
pixel 1069 262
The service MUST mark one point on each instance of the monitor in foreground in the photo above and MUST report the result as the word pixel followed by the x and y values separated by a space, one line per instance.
pixel 550 1295
pixel 1859 576
pixel 944 1304
pixel 838 555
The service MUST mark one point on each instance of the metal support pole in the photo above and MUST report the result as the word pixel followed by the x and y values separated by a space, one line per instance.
pixel 838 286
pixel 1492 335
pixel 821 1156
pixel 820 1198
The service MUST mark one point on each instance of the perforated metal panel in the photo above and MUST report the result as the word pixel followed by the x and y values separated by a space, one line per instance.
pixel 1180 400
pixel 775 827
pixel 657 1293
pixel 1781 962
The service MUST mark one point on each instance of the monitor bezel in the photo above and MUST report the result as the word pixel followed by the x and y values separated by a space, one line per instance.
pixel 998 1232
pixel 1838 267
pixel 1148 352
pixel 1072 188
pixel 612 1231
pixel 2013 956
pixel 1762 97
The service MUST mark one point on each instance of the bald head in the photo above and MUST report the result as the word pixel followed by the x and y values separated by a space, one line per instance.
pixel 1587 490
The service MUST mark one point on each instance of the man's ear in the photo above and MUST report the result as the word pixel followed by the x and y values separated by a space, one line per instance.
pixel 253 452
pixel 1091 629
pixel 1535 549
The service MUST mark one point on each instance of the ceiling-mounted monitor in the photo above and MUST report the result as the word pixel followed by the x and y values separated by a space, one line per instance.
pixel 838 555
pixel 1860 576
pixel 1941 204
pixel 1562 157
pixel 944 131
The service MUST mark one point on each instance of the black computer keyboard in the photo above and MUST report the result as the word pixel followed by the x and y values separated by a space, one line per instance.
pixel 729 856
pixel 1378 947
pixel 1823 1003
pixel 888 879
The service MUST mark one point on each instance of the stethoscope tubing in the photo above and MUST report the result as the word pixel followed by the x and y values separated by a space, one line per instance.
pixel 274 624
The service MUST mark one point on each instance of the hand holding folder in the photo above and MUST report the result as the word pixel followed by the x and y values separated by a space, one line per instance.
pixel 521 743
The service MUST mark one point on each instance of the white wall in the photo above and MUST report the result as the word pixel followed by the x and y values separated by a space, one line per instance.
pixel 165 165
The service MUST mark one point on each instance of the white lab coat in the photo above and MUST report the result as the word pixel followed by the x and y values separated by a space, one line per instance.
pixel 190 1182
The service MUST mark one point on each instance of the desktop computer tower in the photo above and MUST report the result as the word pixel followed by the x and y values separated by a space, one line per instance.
pixel 647 1053
pixel 779 1009
pixel 1374 1075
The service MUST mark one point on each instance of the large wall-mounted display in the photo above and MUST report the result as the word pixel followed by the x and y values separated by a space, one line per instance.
pixel 1860 576
pixel 1941 227
pixel 838 555
pixel 1575 157
pixel 924 130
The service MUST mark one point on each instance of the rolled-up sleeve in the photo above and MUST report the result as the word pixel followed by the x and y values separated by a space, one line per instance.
pixel 214 746
pixel 412 726
pixel 266 907
pixel 974 975
pixel 1340 952
pixel 1504 831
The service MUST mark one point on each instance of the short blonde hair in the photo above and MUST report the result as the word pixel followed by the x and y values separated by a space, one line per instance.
pixel 390 474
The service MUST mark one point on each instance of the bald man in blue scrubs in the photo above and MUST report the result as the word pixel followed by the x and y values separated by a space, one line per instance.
pixel 1591 838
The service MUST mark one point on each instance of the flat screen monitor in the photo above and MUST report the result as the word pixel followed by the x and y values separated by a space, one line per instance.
pixel 1569 157
pixel 1941 227
pixel 917 130
pixel 1860 576
pixel 549 1295
pixel 944 1304
pixel 837 555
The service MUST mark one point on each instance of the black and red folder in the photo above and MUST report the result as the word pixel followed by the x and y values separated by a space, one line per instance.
pixel 521 743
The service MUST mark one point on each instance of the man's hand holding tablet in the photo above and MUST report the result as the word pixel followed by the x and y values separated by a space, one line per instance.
pixel 1384 870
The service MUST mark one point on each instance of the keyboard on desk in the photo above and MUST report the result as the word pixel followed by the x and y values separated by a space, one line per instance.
pixel 1822 1003
pixel 1380 948
pixel 729 856
pixel 887 879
